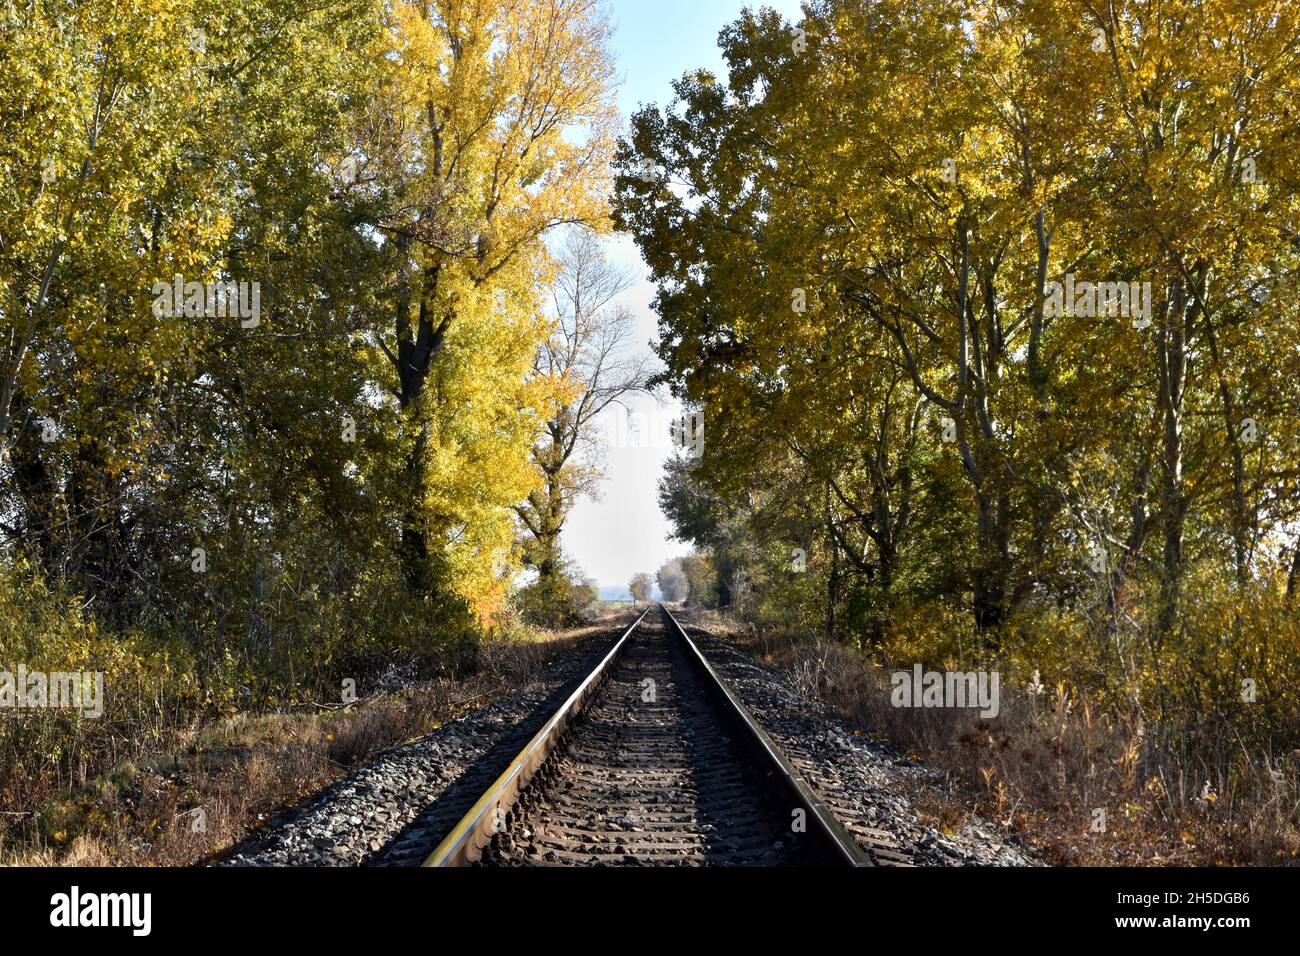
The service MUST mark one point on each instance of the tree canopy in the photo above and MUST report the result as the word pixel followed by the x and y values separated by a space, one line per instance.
pixel 989 309
pixel 272 282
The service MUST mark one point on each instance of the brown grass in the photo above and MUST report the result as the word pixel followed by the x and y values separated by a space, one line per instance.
pixel 242 770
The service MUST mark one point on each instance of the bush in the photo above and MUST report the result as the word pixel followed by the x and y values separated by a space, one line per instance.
pixel 149 686
pixel 556 600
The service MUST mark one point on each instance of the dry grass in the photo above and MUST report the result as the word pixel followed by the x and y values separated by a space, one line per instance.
pixel 1046 764
pixel 240 771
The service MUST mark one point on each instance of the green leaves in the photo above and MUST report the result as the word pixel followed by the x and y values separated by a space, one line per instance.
pixel 917 186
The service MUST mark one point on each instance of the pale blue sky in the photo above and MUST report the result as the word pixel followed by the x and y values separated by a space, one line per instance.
pixel 655 42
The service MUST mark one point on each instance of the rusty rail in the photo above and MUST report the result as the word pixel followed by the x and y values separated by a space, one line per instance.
pixel 467 839
pixel 470 837
pixel 840 846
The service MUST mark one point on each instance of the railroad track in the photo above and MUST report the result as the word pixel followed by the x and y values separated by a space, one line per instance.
pixel 653 760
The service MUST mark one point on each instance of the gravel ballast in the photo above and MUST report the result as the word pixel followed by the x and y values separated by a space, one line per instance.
pixel 863 782
pixel 394 810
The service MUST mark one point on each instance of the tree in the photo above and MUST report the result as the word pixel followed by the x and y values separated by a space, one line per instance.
pixel 379 179
pixel 585 593
pixel 672 581
pixel 873 294
pixel 128 415
pixel 587 355
pixel 990 308
pixel 272 286
pixel 641 586
pixel 474 158
pixel 701 581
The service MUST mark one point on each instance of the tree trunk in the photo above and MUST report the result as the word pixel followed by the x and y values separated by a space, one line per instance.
pixel 990 587
pixel 416 351
pixel 1171 338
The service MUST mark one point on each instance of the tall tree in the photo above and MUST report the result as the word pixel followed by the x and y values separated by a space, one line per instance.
pixel 477 158
pixel 589 354
pixel 894 198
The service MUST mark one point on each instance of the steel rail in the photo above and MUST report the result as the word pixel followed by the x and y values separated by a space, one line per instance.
pixel 841 846
pixel 465 843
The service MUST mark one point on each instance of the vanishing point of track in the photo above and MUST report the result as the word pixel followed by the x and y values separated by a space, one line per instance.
pixel 653 760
